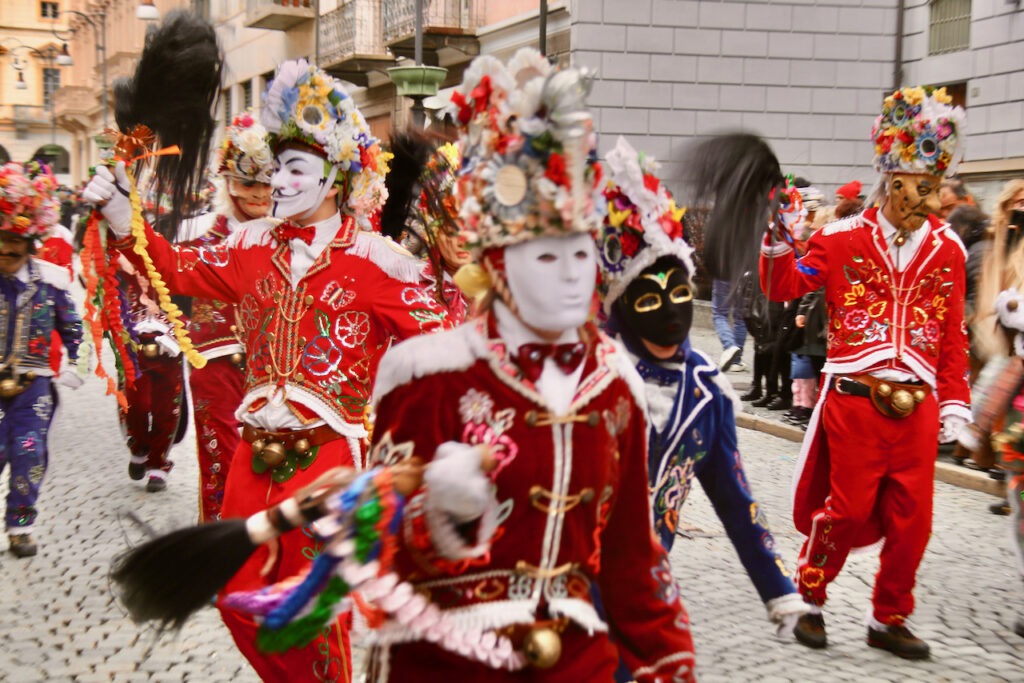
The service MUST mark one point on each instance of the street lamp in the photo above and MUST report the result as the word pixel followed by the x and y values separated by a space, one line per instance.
pixel 98 21
pixel 49 57
pixel 64 58
pixel 146 11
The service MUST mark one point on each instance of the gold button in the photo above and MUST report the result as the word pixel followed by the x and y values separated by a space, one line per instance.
pixel 277 297
pixel 586 495
pixel 696 393
pixel 530 418
pixel 309 299
pixel 299 377
pixel 594 418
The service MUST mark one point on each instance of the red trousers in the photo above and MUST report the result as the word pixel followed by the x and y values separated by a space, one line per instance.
pixel 328 658
pixel 216 394
pixel 154 411
pixel 879 465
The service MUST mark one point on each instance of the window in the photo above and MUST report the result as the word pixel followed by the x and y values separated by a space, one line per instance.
pixel 247 94
pixel 49 10
pixel 51 83
pixel 227 106
pixel 949 29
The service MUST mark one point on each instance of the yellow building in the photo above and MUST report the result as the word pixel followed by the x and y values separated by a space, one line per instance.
pixel 29 77
pixel 104 39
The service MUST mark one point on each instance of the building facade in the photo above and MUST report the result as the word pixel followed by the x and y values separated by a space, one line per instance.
pixel 30 75
pixel 807 75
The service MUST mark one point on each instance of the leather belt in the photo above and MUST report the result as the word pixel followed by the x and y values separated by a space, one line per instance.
pixel 892 399
pixel 314 436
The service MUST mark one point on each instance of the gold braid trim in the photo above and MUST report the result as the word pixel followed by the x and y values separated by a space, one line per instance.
pixel 163 294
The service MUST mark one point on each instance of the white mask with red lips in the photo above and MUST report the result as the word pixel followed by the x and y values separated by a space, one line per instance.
pixel 299 184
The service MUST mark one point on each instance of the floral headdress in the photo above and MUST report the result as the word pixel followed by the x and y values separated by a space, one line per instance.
pixel 306 105
pixel 643 223
pixel 28 207
pixel 529 168
pixel 245 153
pixel 919 131
pixel 437 206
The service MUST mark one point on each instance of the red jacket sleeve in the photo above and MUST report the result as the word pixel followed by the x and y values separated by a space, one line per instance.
pixel 785 277
pixel 646 616
pixel 954 393
pixel 406 309
pixel 214 272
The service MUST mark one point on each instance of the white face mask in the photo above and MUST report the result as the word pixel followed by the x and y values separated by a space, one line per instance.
pixel 298 184
pixel 552 281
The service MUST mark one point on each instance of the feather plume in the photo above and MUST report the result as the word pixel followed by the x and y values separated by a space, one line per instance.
pixel 735 174
pixel 174 91
pixel 412 150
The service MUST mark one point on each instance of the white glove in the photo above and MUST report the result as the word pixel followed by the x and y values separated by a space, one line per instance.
pixel 785 610
pixel 69 378
pixel 456 483
pixel 108 191
pixel 168 344
pixel 952 426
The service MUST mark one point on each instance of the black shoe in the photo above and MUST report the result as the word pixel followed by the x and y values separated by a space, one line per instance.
pixel 999 509
pixel 899 641
pixel 764 400
pixel 752 395
pixel 810 630
pixel 21 545
pixel 156 484
pixel 780 403
pixel 136 471
pixel 997 474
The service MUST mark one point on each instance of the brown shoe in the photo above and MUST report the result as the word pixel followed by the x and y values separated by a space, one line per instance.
pixel 21 545
pixel 899 641
pixel 810 630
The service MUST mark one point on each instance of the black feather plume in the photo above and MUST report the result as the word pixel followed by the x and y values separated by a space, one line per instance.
pixel 169 578
pixel 412 150
pixel 174 91
pixel 735 174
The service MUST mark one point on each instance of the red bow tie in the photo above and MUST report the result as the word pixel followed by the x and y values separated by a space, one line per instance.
pixel 288 231
pixel 567 357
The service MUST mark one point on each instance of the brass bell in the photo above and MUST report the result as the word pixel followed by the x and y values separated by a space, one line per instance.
pixel 237 359
pixel 8 388
pixel 30 375
pixel 542 647
pixel 301 446
pixel 902 401
pixel 919 395
pixel 258 445
pixel 1012 305
pixel 273 454
pixel 884 390
pixel 150 350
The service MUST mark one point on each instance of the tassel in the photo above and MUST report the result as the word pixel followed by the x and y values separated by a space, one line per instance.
pixel 473 280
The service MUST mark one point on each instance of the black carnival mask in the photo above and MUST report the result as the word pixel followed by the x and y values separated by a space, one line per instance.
pixel 658 304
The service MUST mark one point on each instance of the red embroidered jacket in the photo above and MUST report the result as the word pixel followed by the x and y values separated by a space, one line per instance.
pixel 314 347
pixel 880 317
pixel 210 325
pixel 572 497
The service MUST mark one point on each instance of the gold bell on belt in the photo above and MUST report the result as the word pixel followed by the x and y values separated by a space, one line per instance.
pixel 273 453
pixel 902 401
pixel 150 350
pixel 542 647
pixel 9 388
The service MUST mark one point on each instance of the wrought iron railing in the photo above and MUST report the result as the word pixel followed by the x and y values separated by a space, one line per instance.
pixel 455 16
pixel 255 5
pixel 949 28
pixel 354 28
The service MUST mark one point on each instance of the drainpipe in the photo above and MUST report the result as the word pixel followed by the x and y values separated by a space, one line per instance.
pixel 897 67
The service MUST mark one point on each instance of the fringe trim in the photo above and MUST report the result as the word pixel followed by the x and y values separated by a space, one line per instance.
pixel 53 275
pixel 624 368
pixel 580 612
pixel 483 617
pixel 388 256
pixel 255 233
pixel 429 354
pixel 845 225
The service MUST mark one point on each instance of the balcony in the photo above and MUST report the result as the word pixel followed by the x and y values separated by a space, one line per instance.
pixel 278 15
pixel 446 24
pixel 30 114
pixel 74 103
pixel 351 42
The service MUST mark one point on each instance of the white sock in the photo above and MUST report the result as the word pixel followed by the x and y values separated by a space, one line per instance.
pixel 814 609
pixel 876 624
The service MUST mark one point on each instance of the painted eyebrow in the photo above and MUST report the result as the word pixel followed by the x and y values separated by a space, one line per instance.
pixel 293 159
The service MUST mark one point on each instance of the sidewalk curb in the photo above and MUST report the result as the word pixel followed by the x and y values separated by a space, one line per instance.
pixel 944 471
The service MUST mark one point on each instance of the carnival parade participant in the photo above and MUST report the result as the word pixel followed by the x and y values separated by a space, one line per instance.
pixel 422 214
pixel 509 557
pixel 35 303
pixel 243 166
pixel 319 303
pixel 647 297
pixel 895 371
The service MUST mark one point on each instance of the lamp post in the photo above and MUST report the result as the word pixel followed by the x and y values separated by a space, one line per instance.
pixel 50 57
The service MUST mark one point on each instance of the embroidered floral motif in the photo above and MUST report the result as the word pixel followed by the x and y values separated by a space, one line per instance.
pixel 483 427
pixel 616 421
pixel 388 453
pixel 351 328
pixel 667 590
pixel 43 406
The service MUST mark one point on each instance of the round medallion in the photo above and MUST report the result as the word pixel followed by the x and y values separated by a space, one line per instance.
pixel 510 185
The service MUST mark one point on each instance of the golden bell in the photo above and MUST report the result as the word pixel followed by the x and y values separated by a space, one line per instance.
pixel 150 350
pixel 884 390
pixel 301 446
pixel 902 401
pixel 258 445
pixel 8 388
pixel 273 453
pixel 30 375
pixel 919 395
pixel 237 359
pixel 542 647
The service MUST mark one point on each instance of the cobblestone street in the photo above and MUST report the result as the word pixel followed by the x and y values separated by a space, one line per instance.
pixel 59 621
